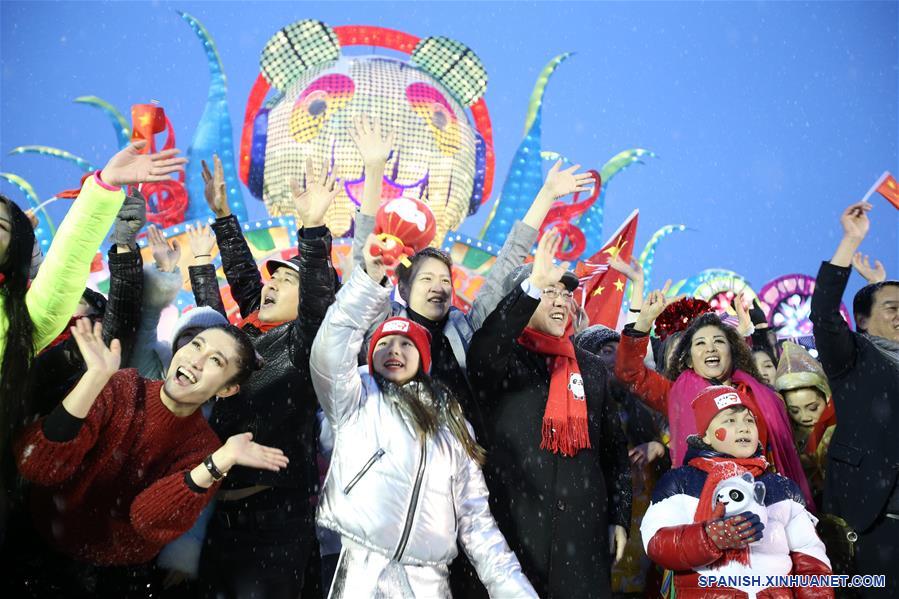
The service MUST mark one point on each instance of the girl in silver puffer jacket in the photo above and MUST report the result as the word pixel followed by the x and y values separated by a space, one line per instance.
pixel 405 481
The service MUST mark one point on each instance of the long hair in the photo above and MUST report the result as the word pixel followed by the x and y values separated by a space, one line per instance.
pixel 19 353
pixel 430 404
pixel 740 355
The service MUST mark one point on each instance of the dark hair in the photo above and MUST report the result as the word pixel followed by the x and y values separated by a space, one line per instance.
pixel 741 357
pixel 438 406
pixel 15 375
pixel 666 344
pixel 248 360
pixel 768 351
pixel 405 274
pixel 864 299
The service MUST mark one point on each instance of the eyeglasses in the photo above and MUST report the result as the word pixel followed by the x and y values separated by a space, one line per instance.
pixel 554 293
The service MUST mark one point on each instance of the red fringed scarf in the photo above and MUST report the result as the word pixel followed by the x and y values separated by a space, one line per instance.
pixel 265 327
pixel 565 419
pixel 719 469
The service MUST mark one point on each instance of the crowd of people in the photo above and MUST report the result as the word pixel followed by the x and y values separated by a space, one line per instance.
pixel 356 435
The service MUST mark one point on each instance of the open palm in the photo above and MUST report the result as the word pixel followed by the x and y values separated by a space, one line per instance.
pixel 130 167
pixel 248 453
pixel 313 199
pixel 560 182
pixel 374 144
pixel 97 357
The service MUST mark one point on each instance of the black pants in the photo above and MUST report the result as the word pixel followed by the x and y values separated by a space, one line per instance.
pixel 258 547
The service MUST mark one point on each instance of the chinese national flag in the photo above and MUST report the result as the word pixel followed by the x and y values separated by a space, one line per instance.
pixel 889 189
pixel 602 288
pixel 146 121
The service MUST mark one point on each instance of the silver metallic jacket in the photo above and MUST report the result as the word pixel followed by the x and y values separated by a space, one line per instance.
pixel 386 490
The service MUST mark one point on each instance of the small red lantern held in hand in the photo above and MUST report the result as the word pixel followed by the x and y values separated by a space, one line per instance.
pixel 405 226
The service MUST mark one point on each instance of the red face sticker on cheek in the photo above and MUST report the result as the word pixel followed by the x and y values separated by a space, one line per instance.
pixel 720 434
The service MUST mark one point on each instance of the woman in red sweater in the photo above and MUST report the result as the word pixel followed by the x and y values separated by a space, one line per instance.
pixel 123 465
pixel 708 352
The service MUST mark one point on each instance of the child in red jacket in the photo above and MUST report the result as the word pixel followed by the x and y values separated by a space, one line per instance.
pixel 725 514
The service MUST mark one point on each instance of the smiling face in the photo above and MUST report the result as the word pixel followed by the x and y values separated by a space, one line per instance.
pixel 733 431
pixel 280 296
pixel 805 406
pixel 765 366
pixel 396 358
pixel 884 318
pixel 203 369
pixel 710 355
pixel 431 289
pixel 553 312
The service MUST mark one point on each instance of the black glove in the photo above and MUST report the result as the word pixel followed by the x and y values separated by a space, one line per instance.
pixel 130 220
pixel 756 314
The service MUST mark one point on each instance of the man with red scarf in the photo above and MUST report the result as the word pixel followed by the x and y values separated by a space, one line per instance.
pixel 557 470
pixel 725 514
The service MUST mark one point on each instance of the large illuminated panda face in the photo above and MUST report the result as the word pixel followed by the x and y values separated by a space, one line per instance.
pixel 436 148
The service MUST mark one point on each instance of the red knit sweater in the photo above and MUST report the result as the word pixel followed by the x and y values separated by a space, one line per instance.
pixel 112 489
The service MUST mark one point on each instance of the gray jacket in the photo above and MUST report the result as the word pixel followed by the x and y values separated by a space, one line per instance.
pixel 460 327
pixel 386 490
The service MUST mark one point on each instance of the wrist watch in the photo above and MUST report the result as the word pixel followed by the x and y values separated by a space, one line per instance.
pixel 214 472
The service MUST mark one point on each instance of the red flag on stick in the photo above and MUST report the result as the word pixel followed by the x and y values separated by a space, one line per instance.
pixel 602 288
pixel 887 187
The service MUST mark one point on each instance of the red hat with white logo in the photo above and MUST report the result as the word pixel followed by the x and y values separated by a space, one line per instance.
pixel 712 400
pixel 405 327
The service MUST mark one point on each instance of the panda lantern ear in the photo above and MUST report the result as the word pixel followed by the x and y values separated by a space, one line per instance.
pixel 747 477
pixel 296 48
pixel 454 65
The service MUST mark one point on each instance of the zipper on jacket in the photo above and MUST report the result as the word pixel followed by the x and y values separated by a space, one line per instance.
pixel 414 503
pixel 371 462
pixel 453 501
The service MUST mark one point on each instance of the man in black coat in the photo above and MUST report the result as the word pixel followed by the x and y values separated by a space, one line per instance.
pixel 558 507
pixel 262 535
pixel 863 369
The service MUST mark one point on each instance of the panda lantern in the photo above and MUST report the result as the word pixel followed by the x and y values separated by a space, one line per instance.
pixel 404 226
pixel 740 494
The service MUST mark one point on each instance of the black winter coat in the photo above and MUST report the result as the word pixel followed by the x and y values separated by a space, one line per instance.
pixel 553 510
pixel 58 368
pixel 277 404
pixel 863 458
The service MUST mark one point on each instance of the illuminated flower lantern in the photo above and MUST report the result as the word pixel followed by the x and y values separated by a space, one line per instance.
pixel 405 226
pixel 439 157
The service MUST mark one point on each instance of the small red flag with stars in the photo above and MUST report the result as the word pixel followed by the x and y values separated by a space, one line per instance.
pixel 602 288
pixel 887 187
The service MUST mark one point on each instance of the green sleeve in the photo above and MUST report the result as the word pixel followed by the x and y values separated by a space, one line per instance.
pixel 60 282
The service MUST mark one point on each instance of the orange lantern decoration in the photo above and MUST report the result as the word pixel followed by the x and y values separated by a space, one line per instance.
pixel 405 226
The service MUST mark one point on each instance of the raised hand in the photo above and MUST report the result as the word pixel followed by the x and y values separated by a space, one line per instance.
pixel 872 274
pixel 165 255
pixel 130 220
pixel 130 167
pixel 374 261
pixel 654 304
pixel 202 243
pixel 745 321
pixel 243 451
pixel 99 360
pixel 855 221
pixel 215 192
pixel 560 183
pixel 633 271
pixel 545 273
pixel 733 532
pixel 374 144
pixel 313 202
